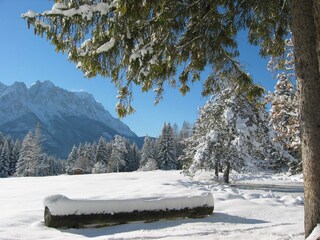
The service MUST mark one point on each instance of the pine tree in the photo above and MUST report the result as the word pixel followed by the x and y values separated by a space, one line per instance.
pixel 232 132
pixel 180 142
pixel 44 166
pixel 99 167
pixel 2 140
pixel 102 154
pixel 135 43
pixel 132 158
pixel 117 155
pixel 147 152
pixel 284 118
pixel 40 158
pixel 167 150
pixel 71 160
pixel 14 157
pixel 284 114
pixel 86 158
pixel 26 165
pixel 58 166
pixel 5 160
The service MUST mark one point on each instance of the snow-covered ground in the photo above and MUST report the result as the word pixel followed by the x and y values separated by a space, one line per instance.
pixel 239 213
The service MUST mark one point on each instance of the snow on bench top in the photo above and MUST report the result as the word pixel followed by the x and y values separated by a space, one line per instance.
pixel 131 188
pixel 62 205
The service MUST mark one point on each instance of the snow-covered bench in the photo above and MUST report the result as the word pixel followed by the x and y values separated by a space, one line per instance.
pixel 62 212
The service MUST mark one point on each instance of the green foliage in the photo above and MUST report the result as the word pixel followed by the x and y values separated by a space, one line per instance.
pixel 145 42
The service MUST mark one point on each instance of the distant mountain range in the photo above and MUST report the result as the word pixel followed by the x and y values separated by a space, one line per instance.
pixel 65 117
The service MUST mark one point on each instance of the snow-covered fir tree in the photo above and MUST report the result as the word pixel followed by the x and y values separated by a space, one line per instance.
pixel 180 141
pixel 117 159
pixel 284 113
pixel 5 160
pixel 186 130
pixel 102 155
pixel 14 157
pixel 132 157
pixel 71 160
pixel 148 155
pixel 99 167
pixel 58 166
pixel 31 157
pixel 2 140
pixel 26 165
pixel 232 132
pixel 86 158
pixel 167 158
pixel 284 118
pixel 42 164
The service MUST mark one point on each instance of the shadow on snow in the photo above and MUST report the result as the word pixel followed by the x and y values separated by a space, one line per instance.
pixel 216 217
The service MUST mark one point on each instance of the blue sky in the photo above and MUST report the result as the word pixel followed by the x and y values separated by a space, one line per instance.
pixel 28 58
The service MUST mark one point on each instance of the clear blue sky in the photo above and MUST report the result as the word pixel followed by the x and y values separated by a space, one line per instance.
pixel 28 58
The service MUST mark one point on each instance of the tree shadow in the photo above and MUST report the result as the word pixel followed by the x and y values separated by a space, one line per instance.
pixel 216 217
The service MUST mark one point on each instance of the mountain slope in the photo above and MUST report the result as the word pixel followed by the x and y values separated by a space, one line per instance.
pixel 66 118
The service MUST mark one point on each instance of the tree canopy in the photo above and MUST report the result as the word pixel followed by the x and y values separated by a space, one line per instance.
pixel 150 43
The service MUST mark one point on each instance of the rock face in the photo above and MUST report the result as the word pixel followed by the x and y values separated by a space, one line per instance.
pixel 65 117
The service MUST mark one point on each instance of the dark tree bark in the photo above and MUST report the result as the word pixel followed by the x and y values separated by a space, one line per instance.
pixel 216 170
pixel 306 29
pixel 226 173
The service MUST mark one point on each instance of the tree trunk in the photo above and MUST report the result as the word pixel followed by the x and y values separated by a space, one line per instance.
pixel 216 169
pixel 306 29
pixel 226 173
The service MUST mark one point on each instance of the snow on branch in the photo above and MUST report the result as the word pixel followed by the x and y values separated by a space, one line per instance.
pixel 85 11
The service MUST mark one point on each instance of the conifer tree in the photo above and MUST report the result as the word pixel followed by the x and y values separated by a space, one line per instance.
pixel 99 167
pixel 71 160
pixel 2 140
pixel 40 158
pixel 5 160
pixel 232 132
pixel 180 140
pixel 86 158
pixel 284 114
pixel 26 165
pixel 132 157
pixel 117 160
pixel 44 166
pixel 102 154
pixel 167 150
pixel 147 152
pixel 14 157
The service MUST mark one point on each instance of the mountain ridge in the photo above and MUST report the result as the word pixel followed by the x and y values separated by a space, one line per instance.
pixel 66 118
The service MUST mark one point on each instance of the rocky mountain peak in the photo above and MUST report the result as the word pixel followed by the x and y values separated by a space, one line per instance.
pixel 66 117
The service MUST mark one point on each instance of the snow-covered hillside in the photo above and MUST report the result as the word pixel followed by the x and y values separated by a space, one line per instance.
pixel 239 214
pixel 66 117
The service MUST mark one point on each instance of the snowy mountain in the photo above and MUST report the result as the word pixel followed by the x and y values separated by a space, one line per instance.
pixel 66 118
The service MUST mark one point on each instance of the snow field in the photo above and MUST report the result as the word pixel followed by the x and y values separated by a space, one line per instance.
pixel 239 214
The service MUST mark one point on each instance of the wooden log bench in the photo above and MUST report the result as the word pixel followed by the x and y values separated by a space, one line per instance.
pixel 62 212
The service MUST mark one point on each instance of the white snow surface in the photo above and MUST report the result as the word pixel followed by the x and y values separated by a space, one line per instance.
pixel 61 205
pixel 29 14
pixel 239 214
pixel 315 233
pixel 107 46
